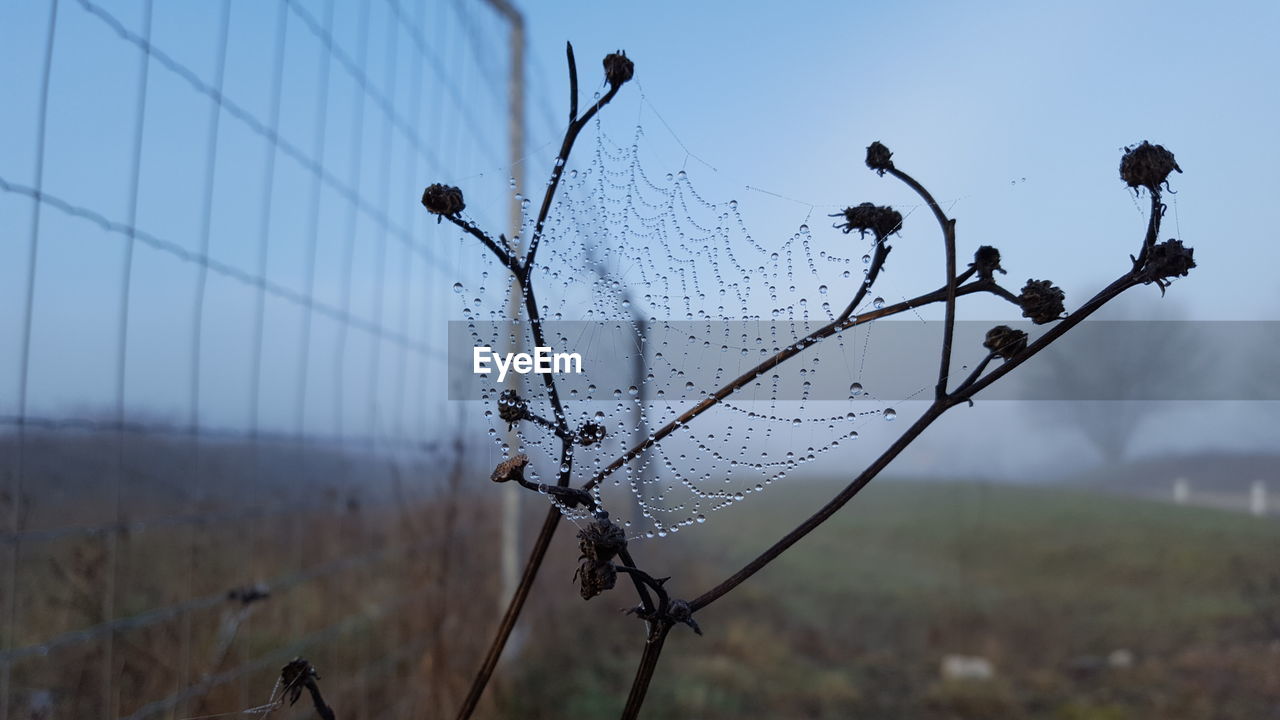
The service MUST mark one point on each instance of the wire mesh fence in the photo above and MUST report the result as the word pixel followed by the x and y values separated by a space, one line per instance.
pixel 222 414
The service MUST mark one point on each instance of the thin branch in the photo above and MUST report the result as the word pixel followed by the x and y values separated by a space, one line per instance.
pixel 508 260
pixel 1153 228
pixel 512 614
pixel 644 673
pixel 1124 282
pixel 832 328
pixel 948 226
pixel 523 273
pixel 562 158
pixel 964 393
pixel 573 83
pixel 936 409
pixel 977 373
pixel 877 262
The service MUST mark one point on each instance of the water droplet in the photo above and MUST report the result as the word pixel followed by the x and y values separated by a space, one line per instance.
pixel 733 204
pixel 633 391
pixel 822 289
pixel 702 519
pixel 682 175
pixel 878 303
pixel 457 287
pixel 855 389
pixel 890 414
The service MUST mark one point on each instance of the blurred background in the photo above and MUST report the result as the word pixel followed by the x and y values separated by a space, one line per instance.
pixel 228 436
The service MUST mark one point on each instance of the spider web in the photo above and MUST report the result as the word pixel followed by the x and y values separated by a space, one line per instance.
pixel 668 295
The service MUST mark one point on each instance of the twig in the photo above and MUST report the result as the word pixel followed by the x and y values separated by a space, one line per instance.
pixel 617 71
pixel 793 349
pixel 943 401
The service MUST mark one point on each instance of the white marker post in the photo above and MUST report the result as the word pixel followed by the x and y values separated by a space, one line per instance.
pixel 1181 491
pixel 1258 498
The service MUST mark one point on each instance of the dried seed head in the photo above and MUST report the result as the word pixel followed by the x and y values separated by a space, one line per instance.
pixel 1166 260
pixel 443 200
pixel 879 158
pixel 601 539
pixel 599 542
pixel 680 612
pixel 1005 342
pixel 617 68
pixel 1041 301
pixel 1147 166
pixel 590 434
pixel 249 594
pixel 512 408
pixel 512 469
pixel 295 676
pixel 986 261
pixel 595 579
pixel 879 220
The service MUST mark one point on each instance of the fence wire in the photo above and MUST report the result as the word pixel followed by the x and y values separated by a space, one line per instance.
pixel 221 303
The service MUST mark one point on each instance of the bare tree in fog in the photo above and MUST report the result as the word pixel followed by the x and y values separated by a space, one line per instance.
pixel 1103 376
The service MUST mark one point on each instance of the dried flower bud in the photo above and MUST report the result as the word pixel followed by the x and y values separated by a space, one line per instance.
pixel 1166 260
pixel 680 612
pixel 512 469
pixel 590 434
pixel 296 676
pixel 879 158
pixel 443 200
pixel 1147 166
pixel 595 579
pixel 1041 301
pixel 249 594
pixel 986 261
pixel 617 68
pixel 880 221
pixel 1005 342
pixel 512 407
pixel 599 542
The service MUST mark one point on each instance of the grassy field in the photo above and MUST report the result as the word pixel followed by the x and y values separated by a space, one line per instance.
pixel 854 622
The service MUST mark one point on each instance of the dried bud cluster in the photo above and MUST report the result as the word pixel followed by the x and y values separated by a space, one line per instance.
pixel 599 542
pixel 590 434
pixel 1166 260
pixel 986 261
pixel 1041 301
pixel 512 408
pixel 296 676
pixel 880 221
pixel 680 612
pixel 879 158
pixel 512 469
pixel 1147 166
pixel 443 200
pixel 1005 342
pixel 617 68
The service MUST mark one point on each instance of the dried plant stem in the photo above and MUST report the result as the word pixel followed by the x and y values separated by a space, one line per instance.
pixel 964 394
pixel 648 663
pixel 943 401
pixel 522 271
pixel 828 330
pixel 508 623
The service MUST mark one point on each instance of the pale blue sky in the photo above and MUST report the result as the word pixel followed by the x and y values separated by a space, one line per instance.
pixel 1015 111
pixel 972 96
